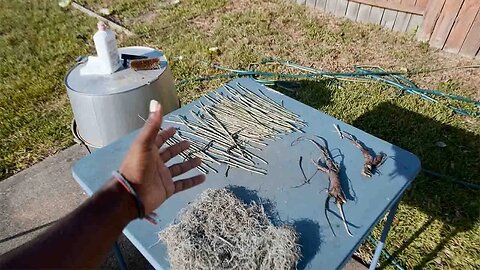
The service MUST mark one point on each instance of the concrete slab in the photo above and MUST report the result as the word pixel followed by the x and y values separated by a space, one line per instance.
pixel 354 265
pixel 35 198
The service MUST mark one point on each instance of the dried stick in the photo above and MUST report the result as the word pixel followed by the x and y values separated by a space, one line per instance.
pixel 112 24
pixel 335 188
pixel 237 123
pixel 172 141
pixel 371 163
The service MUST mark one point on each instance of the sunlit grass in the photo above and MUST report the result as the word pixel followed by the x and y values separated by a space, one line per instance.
pixel 39 41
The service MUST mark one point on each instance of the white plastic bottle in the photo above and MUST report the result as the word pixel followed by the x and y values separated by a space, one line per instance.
pixel 106 46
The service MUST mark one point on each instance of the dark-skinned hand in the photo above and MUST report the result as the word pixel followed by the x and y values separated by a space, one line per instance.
pixel 144 165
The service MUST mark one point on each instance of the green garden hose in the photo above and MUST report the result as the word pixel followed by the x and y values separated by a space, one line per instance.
pixel 360 74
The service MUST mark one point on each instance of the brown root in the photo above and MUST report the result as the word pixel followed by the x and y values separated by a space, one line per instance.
pixel 335 191
pixel 335 188
pixel 371 163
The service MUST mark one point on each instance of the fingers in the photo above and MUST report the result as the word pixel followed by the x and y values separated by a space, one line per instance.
pixel 184 184
pixel 164 135
pixel 151 127
pixel 184 167
pixel 168 153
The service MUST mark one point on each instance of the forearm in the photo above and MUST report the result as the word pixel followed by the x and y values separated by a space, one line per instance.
pixel 83 238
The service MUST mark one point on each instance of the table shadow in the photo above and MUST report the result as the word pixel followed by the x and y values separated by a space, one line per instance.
pixel 309 240
pixel 316 94
pixel 458 155
pixel 247 196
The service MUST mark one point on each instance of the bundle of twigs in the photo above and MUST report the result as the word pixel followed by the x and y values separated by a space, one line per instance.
pixel 233 125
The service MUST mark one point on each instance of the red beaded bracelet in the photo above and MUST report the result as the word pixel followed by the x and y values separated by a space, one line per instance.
pixel 138 202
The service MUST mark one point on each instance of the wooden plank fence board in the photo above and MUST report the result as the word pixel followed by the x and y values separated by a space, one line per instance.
pixel 341 8
pixel 423 3
pixel 363 13
pixel 388 19
pixel 320 5
pixel 376 15
pixel 310 3
pixel 462 25
pixel 432 13
pixel 330 7
pixel 445 23
pixel 415 24
pixel 471 45
pixel 403 18
pixel 393 5
pixel 401 22
pixel 352 10
pixel 407 23
pixel 451 25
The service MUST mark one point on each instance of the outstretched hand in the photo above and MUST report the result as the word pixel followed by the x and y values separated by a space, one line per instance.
pixel 144 165
pixel 102 217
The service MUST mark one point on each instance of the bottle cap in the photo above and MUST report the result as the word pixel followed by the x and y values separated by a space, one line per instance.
pixel 101 26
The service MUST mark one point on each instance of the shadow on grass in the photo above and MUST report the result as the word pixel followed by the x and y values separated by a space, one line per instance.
pixel 443 200
pixel 316 94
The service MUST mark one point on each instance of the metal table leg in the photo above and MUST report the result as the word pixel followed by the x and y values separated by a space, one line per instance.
pixel 383 237
pixel 118 254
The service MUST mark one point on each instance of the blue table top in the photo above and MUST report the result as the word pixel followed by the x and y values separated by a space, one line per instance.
pixel 368 198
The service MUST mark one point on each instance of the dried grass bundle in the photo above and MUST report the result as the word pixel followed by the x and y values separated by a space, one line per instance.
pixel 218 231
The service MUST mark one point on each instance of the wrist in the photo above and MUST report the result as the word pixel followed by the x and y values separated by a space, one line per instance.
pixel 128 186
pixel 126 202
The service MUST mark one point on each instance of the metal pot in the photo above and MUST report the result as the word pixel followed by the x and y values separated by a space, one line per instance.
pixel 106 107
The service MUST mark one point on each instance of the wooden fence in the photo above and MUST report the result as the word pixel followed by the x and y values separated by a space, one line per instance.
pixel 451 25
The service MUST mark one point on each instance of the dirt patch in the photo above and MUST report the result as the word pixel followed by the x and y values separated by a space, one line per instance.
pixel 237 5
pixel 209 22
pixel 206 24
pixel 147 17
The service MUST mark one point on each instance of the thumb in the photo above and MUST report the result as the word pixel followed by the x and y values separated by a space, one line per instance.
pixel 152 126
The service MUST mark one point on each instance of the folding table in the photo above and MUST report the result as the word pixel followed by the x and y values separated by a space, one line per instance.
pixel 369 199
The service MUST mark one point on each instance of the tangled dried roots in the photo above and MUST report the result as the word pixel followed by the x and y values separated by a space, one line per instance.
pixel 218 231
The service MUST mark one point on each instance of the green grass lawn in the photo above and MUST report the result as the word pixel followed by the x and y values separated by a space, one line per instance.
pixel 438 221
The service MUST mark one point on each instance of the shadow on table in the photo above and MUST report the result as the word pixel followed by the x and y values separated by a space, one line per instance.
pixel 248 196
pixel 441 148
pixel 309 240
pixel 308 230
